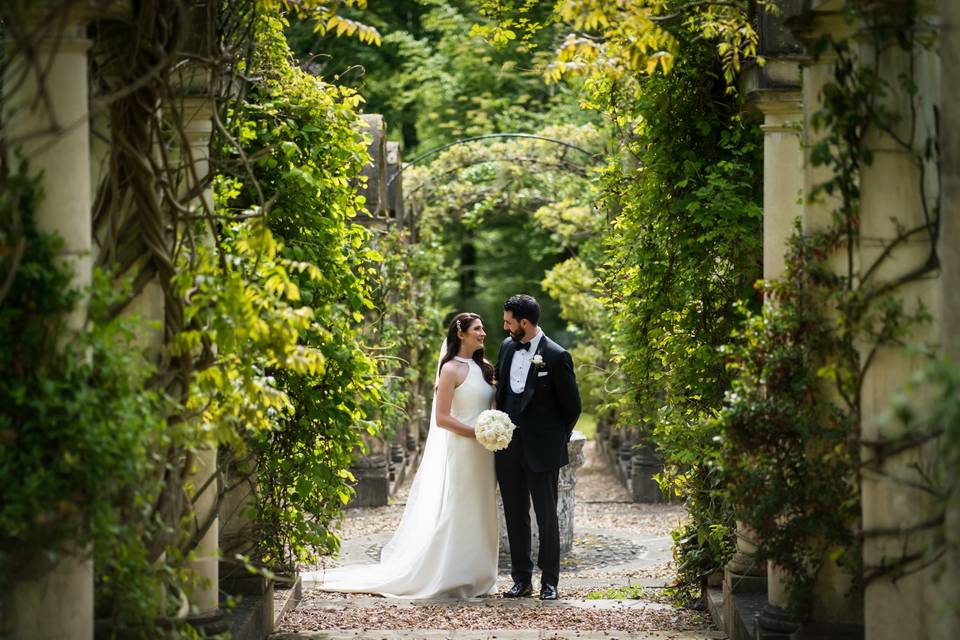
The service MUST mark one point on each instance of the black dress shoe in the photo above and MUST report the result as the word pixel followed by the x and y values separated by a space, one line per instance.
pixel 519 590
pixel 548 592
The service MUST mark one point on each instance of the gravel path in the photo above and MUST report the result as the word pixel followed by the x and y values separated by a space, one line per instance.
pixel 618 543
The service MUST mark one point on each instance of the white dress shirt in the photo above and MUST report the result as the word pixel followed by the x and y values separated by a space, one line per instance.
pixel 520 366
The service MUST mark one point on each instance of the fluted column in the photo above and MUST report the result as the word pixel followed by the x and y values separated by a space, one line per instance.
pixel 789 130
pixel 783 174
pixel 45 113
pixel 835 601
pixel 899 192
pixel 783 186
pixel 196 115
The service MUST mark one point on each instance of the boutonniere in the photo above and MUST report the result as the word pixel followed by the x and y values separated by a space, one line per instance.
pixel 537 360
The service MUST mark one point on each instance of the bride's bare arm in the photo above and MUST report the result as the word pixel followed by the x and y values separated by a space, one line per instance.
pixel 445 387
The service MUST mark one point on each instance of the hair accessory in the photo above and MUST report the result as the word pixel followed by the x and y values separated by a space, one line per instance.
pixel 458 326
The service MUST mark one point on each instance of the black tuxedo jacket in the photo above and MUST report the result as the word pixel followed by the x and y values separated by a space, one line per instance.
pixel 549 409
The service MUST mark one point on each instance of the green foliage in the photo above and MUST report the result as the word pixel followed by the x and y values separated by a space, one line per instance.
pixel 653 305
pixel 574 284
pixel 79 431
pixel 683 252
pixel 622 42
pixel 265 362
pixel 587 424
pixel 628 592
pixel 499 211
pixel 303 136
pixel 789 448
pixel 697 546
pixel 434 84
pixel 409 320
pixel 245 319
pixel 793 457
pixel 927 410
pixel 327 16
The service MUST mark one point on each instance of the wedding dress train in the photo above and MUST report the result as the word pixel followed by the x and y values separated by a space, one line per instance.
pixel 447 543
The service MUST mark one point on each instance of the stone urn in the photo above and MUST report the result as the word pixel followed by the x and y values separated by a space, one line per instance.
pixel 645 464
pixel 372 488
pixel 565 502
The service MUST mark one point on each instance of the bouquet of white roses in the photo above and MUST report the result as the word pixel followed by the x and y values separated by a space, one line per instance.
pixel 494 430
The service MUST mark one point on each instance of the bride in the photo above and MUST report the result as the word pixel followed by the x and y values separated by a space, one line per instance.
pixel 446 544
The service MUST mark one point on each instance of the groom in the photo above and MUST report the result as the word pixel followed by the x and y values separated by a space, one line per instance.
pixel 537 388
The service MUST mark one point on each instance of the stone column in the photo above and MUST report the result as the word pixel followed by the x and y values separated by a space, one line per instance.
pixel 783 173
pixel 782 196
pixel 204 600
pixel 895 189
pixel 54 132
pixel 375 189
pixel 196 113
pixel 372 488
pixel 566 500
pixel 55 602
pixel 798 177
pixel 833 606
pixel 774 622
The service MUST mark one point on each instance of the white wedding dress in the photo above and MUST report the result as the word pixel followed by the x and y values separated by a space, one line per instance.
pixel 447 543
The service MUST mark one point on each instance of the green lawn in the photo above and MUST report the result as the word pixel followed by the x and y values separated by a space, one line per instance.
pixel 587 424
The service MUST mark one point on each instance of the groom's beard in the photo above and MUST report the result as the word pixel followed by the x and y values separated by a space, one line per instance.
pixel 517 335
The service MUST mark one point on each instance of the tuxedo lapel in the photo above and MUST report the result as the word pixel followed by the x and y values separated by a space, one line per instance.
pixel 507 363
pixel 504 373
pixel 530 384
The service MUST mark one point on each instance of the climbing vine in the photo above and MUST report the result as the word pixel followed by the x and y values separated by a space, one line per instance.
pixel 504 210
pixel 79 426
pixel 262 291
pixel 683 252
pixel 681 247
pixel 792 424
pixel 303 139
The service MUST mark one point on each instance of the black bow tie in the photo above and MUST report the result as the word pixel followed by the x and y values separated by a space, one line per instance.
pixel 523 346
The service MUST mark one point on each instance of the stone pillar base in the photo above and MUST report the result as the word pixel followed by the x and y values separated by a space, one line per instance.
pixel 743 583
pixel 774 623
pixel 738 583
pixel 743 574
pixel 823 631
pixel 55 604
pixel 210 623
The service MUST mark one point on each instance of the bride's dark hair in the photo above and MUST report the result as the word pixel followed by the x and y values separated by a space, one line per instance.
pixel 460 324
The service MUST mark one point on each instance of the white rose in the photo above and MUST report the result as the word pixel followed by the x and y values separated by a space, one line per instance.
pixel 537 360
pixel 494 430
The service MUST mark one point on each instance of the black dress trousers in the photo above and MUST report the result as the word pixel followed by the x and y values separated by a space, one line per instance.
pixel 518 487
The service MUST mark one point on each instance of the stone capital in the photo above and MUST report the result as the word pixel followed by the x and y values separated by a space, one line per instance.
pixel 779 102
pixel 823 18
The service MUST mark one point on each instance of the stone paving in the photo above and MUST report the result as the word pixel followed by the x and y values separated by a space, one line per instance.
pixel 617 543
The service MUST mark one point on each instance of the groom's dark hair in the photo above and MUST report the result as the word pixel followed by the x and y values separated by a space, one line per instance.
pixel 522 307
